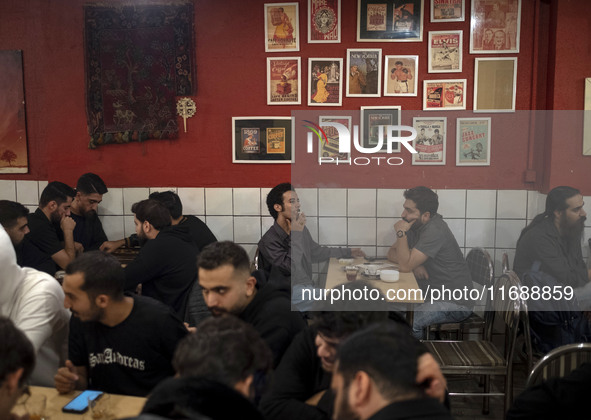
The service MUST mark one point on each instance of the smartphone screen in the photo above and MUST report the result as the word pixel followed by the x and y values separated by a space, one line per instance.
pixel 80 403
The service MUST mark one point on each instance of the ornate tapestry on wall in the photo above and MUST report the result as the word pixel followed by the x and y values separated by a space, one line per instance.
pixel 138 59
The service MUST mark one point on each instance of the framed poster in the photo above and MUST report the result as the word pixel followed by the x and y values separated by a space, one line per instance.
pixel 444 95
pixel 282 32
pixel 262 140
pixel 284 81
pixel 331 149
pixel 587 119
pixel 495 26
pixel 495 83
pixel 400 75
pixel 390 21
pixel 445 52
pixel 13 128
pixel 374 120
pixel 473 142
pixel 325 84
pixel 431 140
pixel 364 72
pixel 447 10
pixel 324 21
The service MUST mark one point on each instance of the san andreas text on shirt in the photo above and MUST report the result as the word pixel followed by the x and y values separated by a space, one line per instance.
pixel 392 134
pixel 109 357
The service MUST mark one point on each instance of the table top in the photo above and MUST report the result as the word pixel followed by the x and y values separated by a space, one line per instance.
pixel 122 405
pixel 407 282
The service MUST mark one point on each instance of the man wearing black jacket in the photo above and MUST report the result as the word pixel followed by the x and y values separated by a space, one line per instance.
pixel 229 287
pixel 166 265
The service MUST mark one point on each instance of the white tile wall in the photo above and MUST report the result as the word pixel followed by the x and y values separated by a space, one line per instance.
pixel 452 203
pixel 247 201
pixel 266 223
pixel 27 192
pixel 361 203
pixel 508 232
pixel 385 232
pixel 133 195
pixel 312 225
pixel 332 202
pixel 264 209
pixel 332 230
pixel 162 189
pixel 481 204
pixel 113 226
pixel 511 204
pixel 480 233
pixel 218 201
pixel 458 228
pixel 247 229
pixel 308 200
pixel 535 204
pixel 7 190
pixel 193 200
pixel 42 185
pixel 221 226
pixel 390 203
pixel 361 231
pixel 112 204
pixel 128 228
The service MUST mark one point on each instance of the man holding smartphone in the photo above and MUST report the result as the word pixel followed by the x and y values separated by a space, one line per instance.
pixel 118 343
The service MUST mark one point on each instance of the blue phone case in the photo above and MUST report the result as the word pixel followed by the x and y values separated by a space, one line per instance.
pixel 80 403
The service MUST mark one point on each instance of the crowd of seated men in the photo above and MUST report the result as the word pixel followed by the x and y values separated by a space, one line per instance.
pixel 189 325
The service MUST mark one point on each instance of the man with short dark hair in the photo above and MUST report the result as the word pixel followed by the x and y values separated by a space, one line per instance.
pixel 52 215
pixel 427 247
pixel 375 377
pixel 118 343
pixel 302 381
pixel 288 246
pixel 220 370
pixel 166 266
pixel 89 194
pixel 17 361
pixel 13 217
pixel 229 287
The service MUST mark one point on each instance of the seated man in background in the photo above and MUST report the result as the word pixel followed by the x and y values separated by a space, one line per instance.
pixel 220 369
pixel 288 247
pixel 89 194
pixel 52 215
pixel 18 358
pixel 13 217
pixel 33 300
pixel 301 388
pixel 167 263
pixel 375 377
pixel 118 343
pixel 229 287
pixel 426 246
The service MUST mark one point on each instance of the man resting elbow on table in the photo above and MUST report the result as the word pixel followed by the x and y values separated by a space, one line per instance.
pixel 426 246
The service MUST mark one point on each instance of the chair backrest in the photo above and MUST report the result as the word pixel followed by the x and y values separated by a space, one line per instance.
pixel 559 362
pixel 255 261
pixel 481 266
pixel 505 262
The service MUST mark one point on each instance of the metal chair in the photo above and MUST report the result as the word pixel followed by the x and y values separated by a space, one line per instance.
pixel 254 265
pixel 482 271
pixel 481 357
pixel 505 262
pixel 559 362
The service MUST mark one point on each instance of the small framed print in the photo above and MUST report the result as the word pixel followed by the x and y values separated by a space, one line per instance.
pixel 447 10
pixel 473 142
pixel 495 26
pixel 330 150
pixel 364 72
pixel 324 21
pixel 400 75
pixel 431 140
pixel 374 120
pixel 390 21
pixel 325 84
pixel 282 27
pixel 262 140
pixel 445 52
pixel 283 81
pixel 495 81
pixel 444 95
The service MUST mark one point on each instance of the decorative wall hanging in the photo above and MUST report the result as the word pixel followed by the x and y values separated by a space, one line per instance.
pixel 447 10
pixel 445 52
pixel 431 140
pixel 284 80
pixel 138 59
pixel 262 140
pixel 364 72
pixel 400 75
pixel 444 95
pixel 495 84
pixel 495 26
pixel 473 142
pixel 324 21
pixel 13 129
pixel 375 119
pixel 390 21
pixel 325 84
pixel 282 27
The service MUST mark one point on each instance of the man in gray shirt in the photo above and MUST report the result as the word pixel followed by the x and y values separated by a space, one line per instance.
pixel 426 246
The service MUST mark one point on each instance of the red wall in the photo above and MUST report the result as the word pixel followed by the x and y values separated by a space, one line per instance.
pixel 231 72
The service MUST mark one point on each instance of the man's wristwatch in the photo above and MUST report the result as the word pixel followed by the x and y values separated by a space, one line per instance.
pixel 400 233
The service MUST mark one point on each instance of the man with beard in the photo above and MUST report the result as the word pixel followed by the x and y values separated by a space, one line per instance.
pixel 426 246
pixel 89 229
pixel 166 265
pixel 302 381
pixel 554 239
pixel 229 287
pixel 118 343
pixel 52 215
pixel 375 378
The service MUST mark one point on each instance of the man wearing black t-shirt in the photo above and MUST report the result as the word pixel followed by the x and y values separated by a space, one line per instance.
pixel 89 229
pixel 118 343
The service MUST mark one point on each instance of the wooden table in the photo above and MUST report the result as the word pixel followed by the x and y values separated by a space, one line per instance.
pixel 122 405
pixel 336 276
